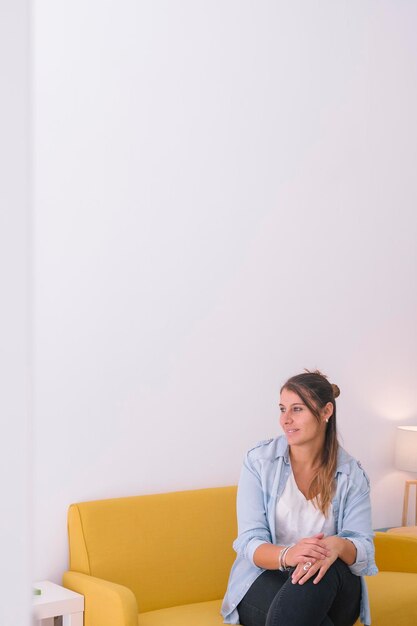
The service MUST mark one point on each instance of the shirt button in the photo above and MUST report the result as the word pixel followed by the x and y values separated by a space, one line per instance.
pixel 233 605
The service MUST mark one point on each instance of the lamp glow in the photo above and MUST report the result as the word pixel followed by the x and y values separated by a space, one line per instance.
pixel 406 459
pixel 406 448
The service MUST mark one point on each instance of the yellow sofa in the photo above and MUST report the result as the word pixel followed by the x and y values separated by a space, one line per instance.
pixel 164 560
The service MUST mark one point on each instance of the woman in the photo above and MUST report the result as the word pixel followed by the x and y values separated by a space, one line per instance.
pixel 304 521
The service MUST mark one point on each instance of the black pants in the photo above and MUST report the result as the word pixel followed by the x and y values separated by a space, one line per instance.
pixel 273 600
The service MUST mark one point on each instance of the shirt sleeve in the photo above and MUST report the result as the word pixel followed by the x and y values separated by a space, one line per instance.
pixel 253 527
pixel 357 523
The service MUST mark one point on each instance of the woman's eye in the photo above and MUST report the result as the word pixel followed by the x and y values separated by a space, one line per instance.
pixel 298 408
pixel 281 408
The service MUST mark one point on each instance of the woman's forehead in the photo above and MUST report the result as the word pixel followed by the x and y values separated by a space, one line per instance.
pixel 290 397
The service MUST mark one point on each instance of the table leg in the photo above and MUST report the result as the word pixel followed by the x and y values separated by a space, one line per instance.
pixel 415 482
pixel 405 503
pixel 73 619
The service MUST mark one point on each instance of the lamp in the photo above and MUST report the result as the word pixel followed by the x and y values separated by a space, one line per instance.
pixel 406 459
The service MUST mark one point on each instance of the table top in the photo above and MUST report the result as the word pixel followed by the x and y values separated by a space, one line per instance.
pixel 55 600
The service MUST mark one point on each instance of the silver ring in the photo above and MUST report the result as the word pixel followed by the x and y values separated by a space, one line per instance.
pixel 307 566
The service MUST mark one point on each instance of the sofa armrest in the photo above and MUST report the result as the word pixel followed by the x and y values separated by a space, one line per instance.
pixel 396 553
pixel 105 603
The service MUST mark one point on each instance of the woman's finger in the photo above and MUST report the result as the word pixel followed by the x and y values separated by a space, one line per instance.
pixel 314 551
pixel 304 571
pixel 321 573
pixel 308 572
pixel 319 547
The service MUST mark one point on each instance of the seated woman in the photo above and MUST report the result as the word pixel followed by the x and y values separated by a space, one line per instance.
pixel 304 521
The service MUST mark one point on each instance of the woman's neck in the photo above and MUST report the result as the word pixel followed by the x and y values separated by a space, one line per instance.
pixel 307 457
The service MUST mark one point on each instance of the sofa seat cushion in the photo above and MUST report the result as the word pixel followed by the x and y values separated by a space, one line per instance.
pixel 199 614
pixel 393 598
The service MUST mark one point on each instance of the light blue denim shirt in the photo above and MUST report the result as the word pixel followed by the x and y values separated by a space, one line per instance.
pixel 262 481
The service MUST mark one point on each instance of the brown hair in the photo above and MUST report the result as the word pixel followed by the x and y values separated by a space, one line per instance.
pixel 316 391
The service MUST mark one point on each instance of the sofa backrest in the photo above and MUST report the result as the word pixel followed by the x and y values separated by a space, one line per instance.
pixel 169 549
pixel 396 553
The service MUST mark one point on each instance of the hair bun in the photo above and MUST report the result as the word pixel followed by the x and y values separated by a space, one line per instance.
pixel 336 391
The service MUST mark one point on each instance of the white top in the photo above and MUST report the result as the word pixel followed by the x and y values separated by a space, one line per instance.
pixel 296 517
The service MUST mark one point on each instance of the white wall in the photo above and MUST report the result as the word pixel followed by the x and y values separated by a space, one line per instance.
pixel 15 325
pixel 225 194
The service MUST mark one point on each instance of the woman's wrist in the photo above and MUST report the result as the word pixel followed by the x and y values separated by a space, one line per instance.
pixel 344 548
pixel 282 559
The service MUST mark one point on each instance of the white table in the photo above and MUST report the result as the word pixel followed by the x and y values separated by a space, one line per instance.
pixel 56 600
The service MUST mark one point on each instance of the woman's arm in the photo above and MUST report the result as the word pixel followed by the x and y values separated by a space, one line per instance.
pixel 267 556
pixel 313 548
pixel 343 548
pixel 356 522
pixel 253 527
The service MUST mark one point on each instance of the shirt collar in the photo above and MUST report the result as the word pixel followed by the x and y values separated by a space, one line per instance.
pixel 343 458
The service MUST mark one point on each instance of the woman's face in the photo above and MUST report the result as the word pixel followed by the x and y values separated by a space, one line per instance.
pixel 299 424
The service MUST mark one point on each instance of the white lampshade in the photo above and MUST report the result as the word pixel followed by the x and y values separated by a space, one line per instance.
pixel 406 448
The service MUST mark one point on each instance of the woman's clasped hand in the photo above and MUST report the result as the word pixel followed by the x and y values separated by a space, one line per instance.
pixel 311 556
